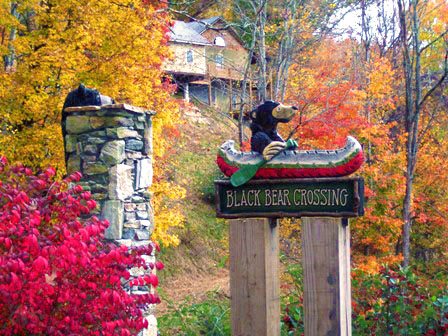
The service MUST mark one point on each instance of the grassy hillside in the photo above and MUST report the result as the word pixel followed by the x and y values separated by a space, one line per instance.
pixel 199 263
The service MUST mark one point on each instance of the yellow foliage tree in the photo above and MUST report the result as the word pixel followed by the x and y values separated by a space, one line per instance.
pixel 49 47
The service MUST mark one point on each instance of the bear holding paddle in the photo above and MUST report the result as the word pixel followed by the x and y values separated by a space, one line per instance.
pixel 265 138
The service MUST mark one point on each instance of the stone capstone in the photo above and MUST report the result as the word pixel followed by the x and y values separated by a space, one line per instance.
pixel 120 186
pixel 113 153
pixel 113 212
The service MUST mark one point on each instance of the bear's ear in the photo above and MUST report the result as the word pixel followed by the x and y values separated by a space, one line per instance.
pixel 81 90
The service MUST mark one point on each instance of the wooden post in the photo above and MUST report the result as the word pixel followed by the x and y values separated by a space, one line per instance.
pixel 210 90
pixel 250 94
pixel 187 92
pixel 326 267
pixel 230 95
pixel 254 277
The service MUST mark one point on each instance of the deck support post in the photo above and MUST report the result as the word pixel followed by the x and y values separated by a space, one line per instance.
pixel 326 271
pixel 254 277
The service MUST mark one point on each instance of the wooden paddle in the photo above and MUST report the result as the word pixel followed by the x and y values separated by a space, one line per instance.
pixel 245 173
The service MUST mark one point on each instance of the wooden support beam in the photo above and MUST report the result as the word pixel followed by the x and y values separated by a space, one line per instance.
pixel 230 95
pixel 250 94
pixel 326 267
pixel 210 102
pixel 254 277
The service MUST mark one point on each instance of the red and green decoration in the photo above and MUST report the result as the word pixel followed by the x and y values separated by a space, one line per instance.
pixel 293 163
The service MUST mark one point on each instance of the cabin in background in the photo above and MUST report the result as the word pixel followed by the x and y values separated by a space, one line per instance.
pixel 209 61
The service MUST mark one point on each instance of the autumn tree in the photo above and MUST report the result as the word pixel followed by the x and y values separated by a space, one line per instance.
pixel 415 47
pixel 49 47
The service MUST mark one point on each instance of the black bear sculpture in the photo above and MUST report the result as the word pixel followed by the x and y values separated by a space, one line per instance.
pixel 83 96
pixel 264 119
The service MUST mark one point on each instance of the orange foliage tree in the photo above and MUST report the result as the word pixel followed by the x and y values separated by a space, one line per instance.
pixel 334 101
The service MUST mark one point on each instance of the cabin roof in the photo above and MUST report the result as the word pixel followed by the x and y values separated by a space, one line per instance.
pixel 183 32
pixel 202 25
pixel 191 32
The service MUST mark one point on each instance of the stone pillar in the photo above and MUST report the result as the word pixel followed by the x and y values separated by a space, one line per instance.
pixel 111 145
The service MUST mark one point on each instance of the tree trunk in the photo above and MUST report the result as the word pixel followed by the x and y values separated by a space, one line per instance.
pixel 262 53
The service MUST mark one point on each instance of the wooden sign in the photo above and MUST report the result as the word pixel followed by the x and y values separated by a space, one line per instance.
pixel 305 197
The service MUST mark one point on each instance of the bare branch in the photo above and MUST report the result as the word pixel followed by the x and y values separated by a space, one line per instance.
pixel 434 41
pixel 439 82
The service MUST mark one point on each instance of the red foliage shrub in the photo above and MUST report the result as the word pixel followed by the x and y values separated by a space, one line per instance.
pixel 57 274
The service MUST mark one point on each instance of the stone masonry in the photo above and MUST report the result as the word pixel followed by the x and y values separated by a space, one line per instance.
pixel 111 145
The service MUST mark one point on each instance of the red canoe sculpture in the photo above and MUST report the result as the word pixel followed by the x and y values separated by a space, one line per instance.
pixel 295 163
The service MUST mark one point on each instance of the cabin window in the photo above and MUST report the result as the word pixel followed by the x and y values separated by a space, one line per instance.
pixel 219 60
pixel 189 56
pixel 219 41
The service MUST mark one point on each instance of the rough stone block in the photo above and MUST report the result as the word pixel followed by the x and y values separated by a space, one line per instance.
pixel 152 326
pixel 113 212
pixel 70 143
pixel 119 121
pixel 73 164
pixel 128 233
pixel 98 188
pixel 130 216
pixel 132 225
pixel 133 155
pixel 99 196
pixel 133 144
pixel 90 149
pixel 96 141
pixel 141 207
pixel 102 179
pixel 147 136
pixel 77 124
pixel 144 173
pixel 112 152
pixel 142 215
pixel 129 206
pixel 121 133
pixel 139 125
pixel 151 215
pixel 120 186
pixel 137 199
pixel 142 234
pixel 95 168
pixel 88 159
pixel 146 223
pixel 97 122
